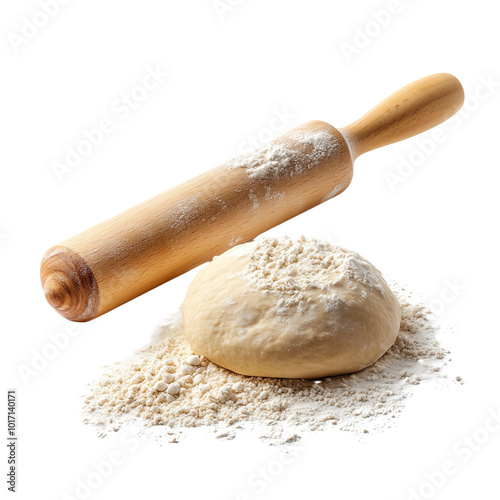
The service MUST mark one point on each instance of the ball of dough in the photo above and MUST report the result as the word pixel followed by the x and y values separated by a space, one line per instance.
pixel 290 309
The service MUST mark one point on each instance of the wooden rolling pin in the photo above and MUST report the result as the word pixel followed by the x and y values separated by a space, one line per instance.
pixel 151 243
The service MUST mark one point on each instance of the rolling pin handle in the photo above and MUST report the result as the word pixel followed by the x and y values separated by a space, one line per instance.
pixel 411 110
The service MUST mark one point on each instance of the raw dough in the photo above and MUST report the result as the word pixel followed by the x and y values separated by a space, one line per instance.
pixel 294 309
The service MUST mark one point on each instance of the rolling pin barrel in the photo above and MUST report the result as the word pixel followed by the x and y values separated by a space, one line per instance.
pixel 118 260
pixel 124 257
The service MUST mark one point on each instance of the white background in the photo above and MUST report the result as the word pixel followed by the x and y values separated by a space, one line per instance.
pixel 229 70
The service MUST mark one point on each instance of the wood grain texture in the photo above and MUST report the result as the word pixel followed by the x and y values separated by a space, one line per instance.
pixel 69 284
pixel 411 110
pixel 188 225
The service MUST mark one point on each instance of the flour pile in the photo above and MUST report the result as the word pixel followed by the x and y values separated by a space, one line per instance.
pixel 165 384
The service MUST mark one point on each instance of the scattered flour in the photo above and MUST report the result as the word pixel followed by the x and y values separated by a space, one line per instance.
pixel 301 149
pixel 166 385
